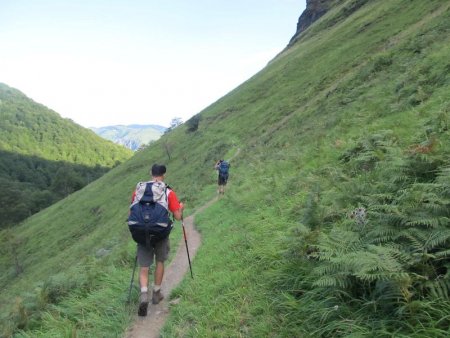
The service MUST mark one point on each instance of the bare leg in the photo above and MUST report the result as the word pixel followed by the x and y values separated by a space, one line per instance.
pixel 143 276
pixel 143 298
pixel 159 273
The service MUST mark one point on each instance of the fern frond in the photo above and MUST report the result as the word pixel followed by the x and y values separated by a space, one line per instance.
pixel 442 254
pixel 414 238
pixel 381 200
pixel 326 281
pixel 381 235
pixel 439 288
pixel 427 222
pixel 438 208
pixel 330 269
pixel 436 239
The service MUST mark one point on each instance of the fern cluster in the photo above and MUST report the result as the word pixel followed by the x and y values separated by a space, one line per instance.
pixel 386 259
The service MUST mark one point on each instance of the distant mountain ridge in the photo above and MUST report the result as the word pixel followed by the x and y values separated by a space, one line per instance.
pixel 131 136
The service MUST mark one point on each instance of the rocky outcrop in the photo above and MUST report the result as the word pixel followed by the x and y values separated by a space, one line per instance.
pixel 314 10
pixel 317 8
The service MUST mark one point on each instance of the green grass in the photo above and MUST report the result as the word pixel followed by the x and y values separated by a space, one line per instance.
pixel 353 115
pixel 223 301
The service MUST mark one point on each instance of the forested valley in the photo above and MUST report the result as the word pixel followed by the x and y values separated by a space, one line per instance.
pixel 44 157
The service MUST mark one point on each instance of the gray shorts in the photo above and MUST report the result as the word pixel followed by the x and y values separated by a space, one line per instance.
pixel 160 250
pixel 222 180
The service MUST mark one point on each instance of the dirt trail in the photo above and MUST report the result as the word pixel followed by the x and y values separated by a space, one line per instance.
pixel 150 325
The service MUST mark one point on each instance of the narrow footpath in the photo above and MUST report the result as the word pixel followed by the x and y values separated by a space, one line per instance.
pixel 151 325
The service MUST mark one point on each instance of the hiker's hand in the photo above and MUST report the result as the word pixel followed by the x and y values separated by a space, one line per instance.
pixel 179 213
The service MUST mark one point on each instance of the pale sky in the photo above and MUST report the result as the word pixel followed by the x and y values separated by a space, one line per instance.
pixel 107 62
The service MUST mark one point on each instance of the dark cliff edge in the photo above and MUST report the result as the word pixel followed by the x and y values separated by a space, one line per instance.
pixel 315 9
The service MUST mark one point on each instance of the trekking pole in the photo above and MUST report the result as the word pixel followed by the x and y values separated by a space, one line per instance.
pixel 132 278
pixel 187 250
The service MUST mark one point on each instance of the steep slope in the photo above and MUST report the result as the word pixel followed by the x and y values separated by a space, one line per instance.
pixel 45 157
pixel 336 220
pixel 132 136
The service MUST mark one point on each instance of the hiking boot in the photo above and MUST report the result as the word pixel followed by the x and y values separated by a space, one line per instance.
pixel 143 304
pixel 157 297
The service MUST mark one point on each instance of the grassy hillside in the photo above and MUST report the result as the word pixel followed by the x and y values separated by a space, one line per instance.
pixel 44 157
pixel 336 220
pixel 29 128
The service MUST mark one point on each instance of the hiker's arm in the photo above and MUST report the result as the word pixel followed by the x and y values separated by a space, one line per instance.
pixel 178 214
pixel 175 206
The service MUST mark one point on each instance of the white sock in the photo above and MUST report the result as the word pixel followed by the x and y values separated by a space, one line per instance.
pixel 144 289
pixel 157 288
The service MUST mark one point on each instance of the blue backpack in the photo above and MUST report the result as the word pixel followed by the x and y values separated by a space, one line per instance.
pixel 224 166
pixel 149 220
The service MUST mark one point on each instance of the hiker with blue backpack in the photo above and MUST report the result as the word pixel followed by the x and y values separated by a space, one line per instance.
pixel 222 167
pixel 150 226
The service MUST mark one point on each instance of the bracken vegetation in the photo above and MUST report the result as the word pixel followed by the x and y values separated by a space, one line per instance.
pixel 335 222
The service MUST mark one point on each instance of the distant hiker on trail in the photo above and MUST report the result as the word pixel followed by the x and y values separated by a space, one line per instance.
pixel 150 226
pixel 222 167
